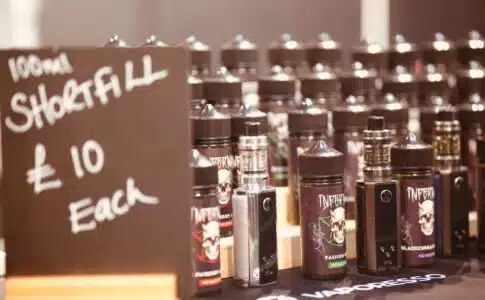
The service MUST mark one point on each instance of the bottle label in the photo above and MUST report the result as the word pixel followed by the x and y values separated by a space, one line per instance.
pixel 323 230
pixel 278 148
pixel 297 147
pixel 206 242
pixel 224 160
pixel 352 147
pixel 417 221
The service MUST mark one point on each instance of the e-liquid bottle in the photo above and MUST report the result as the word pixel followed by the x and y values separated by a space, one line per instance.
pixel 372 56
pixel 471 49
pixel 247 113
pixel 361 83
pixel 200 57
pixel 378 205
pixel 322 86
pixel 116 42
pixel 324 51
pixel 440 52
pixel 241 57
pixel 276 98
pixel 452 194
pixel 255 237
pixel 322 212
pixel 224 91
pixel 211 131
pixel 403 53
pixel 433 92
pixel 412 165
pixel 306 124
pixel 288 54
pixel 480 179
pixel 152 41
pixel 349 121
pixel 197 100
pixel 205 215
pixel 393 105
pixel 471 114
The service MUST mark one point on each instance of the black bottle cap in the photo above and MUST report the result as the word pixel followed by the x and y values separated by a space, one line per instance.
pixel 196 86
pixel 399 82
pixel 447 114
pixel 286 51
pixel 205 172
pixel 200 53
pixel 358 81
pixel 471 49
pixel 376 123
pixel 239 50
pixel 471 81
pixel 224 86
pixel 116 42
pixel 439 51
pixel 321 161
pixel 308 118
pixel 412 153
pixel 352 115
pixel 402 53
pixel 152 41
pixel 278 83
pixel 208 123
pixel 324 50
pixel 370 55
pixel 252 129
pixel 321 81
pixel 248 113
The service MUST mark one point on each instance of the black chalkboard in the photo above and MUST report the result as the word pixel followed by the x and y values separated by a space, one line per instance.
pixel 95 146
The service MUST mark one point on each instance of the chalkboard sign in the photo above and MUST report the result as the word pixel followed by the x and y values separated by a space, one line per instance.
pixel 95 161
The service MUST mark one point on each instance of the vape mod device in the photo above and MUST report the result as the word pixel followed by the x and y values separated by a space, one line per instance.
pixel 254 213
pixel 451 187
pixel 378 205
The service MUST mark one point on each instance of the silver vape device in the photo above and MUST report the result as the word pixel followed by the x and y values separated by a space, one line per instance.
pixel 254 213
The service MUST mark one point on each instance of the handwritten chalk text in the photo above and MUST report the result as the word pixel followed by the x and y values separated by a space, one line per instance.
pixel 23 67
pixel 41 171
pixel 42 106
pixel 86 215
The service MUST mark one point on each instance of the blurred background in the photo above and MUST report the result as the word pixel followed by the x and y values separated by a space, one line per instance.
pixel 33 23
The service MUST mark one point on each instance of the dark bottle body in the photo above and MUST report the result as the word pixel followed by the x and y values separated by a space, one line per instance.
pixel 323 230
pixel 351 144
pixel 205 234
pixel 417 217
pixel 468 147
pixel 219 151
pixel 298 143
pixel 480 184
pixel 451 211
pixel 277 111
pixel 378 242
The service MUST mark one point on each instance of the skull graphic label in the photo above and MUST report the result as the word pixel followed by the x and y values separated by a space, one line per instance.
pixel 426 217
pixel 224 187
pixel 211 239
pixel 337 217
